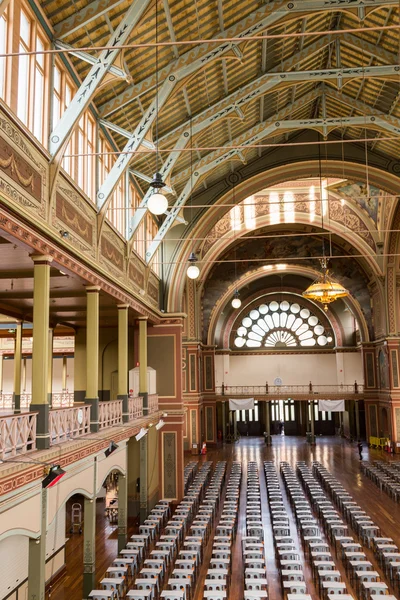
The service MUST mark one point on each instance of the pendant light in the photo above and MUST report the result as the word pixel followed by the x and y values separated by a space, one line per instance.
pixel 157 203
pixel 324 289
pixel 236 301
pixel 193 270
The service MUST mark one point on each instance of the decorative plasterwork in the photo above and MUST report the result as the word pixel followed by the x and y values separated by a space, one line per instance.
pixel 261 180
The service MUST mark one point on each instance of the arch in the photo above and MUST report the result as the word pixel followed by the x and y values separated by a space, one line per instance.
pixel 34 535
pixel 298 169
pixel 107 473
pixel 62 504
pixel 261 273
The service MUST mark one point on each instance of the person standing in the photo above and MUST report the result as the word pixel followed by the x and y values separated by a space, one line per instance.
pixel 360 449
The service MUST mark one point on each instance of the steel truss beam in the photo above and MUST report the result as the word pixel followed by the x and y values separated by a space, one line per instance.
pixel 232 104
pixel 209 162
pixel 215 158
pixel 253 24
pixel 197 58
pixel 96 74
pixel 83 17
pixel 249 92
pixel 89 58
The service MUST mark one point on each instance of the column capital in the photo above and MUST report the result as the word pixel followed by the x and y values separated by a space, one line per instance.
pixel 92 289
pixel 142 318
pixel 42 259
pixel 123 306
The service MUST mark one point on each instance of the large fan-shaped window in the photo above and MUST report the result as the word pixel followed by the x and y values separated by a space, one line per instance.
pixel 281 325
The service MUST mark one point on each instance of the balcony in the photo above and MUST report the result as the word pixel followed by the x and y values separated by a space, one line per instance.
pixel 18 432
pixel 59 400
pixel 295 392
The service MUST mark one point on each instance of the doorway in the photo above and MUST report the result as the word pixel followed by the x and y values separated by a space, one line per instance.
pixel 283 417
pixel 250 422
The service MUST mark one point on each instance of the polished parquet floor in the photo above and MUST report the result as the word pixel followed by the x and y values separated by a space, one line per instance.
pixel 335 454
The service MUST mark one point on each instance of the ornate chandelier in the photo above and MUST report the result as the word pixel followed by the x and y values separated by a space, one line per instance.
pixel 324 290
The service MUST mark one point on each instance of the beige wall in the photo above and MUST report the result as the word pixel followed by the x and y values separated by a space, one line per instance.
pixel 294 369
pixel 8 375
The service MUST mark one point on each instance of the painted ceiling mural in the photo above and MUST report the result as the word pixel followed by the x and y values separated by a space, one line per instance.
pixel 253 253
pixel 283 201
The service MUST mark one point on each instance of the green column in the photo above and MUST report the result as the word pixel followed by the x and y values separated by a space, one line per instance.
pixel 143 479
pixel 17 368
pixel 234 425
pixel 267 422
pixel 50 371
pixel 92 355
pixel 143 391
pixel 40 348
pixel 312 423
pixel 122 511
pixel 123 360
pixel 37 558
pixel 223 421
pixel 357 411
pixel 89 547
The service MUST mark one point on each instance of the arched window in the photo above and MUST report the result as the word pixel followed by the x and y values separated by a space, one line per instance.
pixel 281 325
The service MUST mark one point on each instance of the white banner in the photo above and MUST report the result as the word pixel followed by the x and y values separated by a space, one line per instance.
pixel 245 404
pixel 331 405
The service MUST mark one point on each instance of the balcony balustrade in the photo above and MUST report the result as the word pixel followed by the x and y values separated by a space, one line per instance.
pixel 17 434
pixel 69 423
pixel 289 390
pixel 135 408
pixel 110 413
pixel 152 403
pixel 59 400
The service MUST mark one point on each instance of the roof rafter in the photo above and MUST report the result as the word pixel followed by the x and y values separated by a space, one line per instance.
pixel 253 24
pixel 83 17
pixel 216 157
pixel 84 95
pixel 220 110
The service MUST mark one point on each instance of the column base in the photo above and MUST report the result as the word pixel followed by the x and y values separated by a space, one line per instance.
pixel 42 425
pixel 268 439
pixel 125 407
pixel 94 414
pixel 50 399
pixel 122 539
pixel 145 397
pixel 89 581
pixel 17 403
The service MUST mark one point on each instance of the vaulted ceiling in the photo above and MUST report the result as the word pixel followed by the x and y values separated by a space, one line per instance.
pixel 229 89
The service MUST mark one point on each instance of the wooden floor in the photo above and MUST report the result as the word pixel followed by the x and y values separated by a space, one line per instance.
pixel 338 456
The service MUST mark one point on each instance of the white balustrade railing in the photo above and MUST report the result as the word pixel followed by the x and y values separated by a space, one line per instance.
pixel 311 389
pixel 6 401
pixel 110 413
pixel 135 408
pixel 59 400
pixel 152 403
pixel 62 399
pixel 68 423
pixel 17 434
